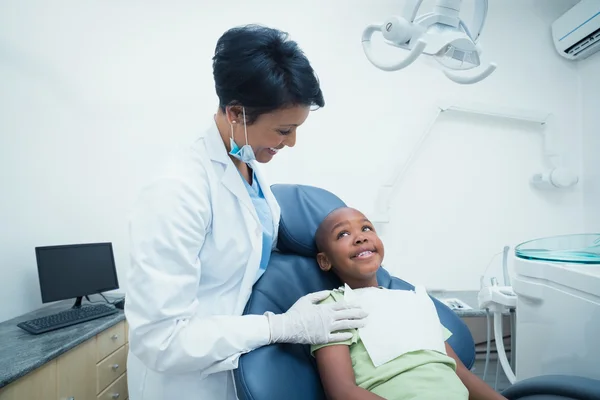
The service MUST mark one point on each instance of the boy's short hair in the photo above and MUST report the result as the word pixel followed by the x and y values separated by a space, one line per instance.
pixel 320 234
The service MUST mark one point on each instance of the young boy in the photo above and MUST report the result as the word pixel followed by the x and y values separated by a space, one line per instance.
pixel 349 246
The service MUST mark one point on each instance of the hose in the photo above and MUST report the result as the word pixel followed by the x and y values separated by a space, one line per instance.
pixel 488 343
pixel 500 348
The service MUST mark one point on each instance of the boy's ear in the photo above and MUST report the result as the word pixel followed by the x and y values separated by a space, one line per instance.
pixel 323 262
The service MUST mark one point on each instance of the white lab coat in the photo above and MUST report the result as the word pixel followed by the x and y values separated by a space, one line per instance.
pixel 195 252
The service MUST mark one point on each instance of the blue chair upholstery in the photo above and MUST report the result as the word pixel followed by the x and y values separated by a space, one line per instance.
pixel 289 371
pixel 554 387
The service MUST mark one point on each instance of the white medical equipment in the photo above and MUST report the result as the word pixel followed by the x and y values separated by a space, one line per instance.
pixel 441 34
pixel 576 33
pixel 557 286
pixel 498 299
pixel 556 178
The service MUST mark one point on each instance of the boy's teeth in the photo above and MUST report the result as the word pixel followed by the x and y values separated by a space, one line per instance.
pixel 364 253
pixel 274 150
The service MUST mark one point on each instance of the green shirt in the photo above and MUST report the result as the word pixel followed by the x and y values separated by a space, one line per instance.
pixel 423 374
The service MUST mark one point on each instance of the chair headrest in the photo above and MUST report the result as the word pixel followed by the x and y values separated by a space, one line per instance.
pixel 302 210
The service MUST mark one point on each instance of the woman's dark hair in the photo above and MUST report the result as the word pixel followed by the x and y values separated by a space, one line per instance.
pixel 259 68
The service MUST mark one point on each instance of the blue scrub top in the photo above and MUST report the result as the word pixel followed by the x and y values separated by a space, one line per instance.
pixel 266 219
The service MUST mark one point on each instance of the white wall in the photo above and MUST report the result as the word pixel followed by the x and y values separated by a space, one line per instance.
pixel 93 94
pixel 590 88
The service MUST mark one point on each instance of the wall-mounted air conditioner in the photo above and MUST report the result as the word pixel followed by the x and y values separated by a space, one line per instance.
pixel 576 33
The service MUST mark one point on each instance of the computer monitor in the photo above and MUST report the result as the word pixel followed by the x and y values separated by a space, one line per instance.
pixel 75 270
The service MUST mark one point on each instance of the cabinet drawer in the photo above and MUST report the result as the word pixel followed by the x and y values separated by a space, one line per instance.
pixel 116 391
pixel 111 368
pixel 76 372
pixel 110 340
pixel 39 384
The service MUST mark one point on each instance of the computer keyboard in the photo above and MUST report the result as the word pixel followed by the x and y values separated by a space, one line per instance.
pixel 66 318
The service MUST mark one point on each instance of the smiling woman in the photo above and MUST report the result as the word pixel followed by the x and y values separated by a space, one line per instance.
pixel 265 84
pixel 188 285
pixel 268 134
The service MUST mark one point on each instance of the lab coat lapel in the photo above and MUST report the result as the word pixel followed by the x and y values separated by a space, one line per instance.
pixel 231 177
pixel 250 274
pixel 232 180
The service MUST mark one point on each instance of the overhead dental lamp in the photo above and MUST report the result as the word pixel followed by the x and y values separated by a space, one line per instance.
pixel 441 34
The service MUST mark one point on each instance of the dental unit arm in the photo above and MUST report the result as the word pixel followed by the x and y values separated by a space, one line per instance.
pixel 498 299
pixel 441 34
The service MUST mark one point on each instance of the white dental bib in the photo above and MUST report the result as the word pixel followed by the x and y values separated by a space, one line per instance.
pixel 399 322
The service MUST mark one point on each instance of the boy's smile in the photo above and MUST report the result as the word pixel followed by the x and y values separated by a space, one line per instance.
pixel 366 253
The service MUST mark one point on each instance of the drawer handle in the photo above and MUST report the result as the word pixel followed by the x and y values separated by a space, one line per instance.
pixel 115 367
pixel 114 337
pixel 115 395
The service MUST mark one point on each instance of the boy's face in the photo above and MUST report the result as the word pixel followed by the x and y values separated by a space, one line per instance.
pixel 350 246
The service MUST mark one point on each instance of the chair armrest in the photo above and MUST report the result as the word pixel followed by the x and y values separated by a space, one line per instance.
pixel 554 386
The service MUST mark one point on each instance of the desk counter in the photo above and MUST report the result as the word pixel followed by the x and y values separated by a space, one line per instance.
pixel 79 361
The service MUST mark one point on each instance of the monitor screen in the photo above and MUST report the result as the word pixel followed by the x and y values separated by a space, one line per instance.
pixel 78 270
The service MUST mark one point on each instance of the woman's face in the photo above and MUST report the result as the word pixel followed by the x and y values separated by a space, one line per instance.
pixel 270 132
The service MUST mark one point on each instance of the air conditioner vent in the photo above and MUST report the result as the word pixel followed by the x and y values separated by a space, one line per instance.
pixel 593 39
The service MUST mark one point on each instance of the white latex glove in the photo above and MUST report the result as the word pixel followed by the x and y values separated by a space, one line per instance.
pixel 309 323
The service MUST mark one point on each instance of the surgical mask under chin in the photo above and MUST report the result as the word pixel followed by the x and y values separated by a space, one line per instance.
pixel 245 154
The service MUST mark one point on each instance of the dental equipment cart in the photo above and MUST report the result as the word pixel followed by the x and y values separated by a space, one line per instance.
pixel 557 282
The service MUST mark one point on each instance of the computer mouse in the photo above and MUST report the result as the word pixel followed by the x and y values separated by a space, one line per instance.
pixel 120 304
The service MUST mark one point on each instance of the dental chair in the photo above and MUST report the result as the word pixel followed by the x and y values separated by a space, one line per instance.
pixel 285 371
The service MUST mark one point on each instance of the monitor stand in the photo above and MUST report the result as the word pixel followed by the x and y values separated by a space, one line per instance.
pixel 78 302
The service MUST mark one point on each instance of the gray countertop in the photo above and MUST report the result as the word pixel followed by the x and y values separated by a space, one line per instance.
pixel 21 352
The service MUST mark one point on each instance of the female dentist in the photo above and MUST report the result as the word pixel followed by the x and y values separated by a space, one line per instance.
pixel 201 234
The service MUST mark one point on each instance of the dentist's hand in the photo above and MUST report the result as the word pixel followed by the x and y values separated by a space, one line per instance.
pixel 309 323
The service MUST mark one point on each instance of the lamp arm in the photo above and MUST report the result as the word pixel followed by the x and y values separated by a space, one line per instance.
pixel 479 16
pixel 411 8
pixel 464 79
pixel 414 53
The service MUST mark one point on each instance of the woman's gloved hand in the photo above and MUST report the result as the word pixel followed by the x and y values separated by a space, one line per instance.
pixel 309 323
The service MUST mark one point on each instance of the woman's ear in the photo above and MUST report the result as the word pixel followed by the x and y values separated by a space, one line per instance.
pixel 323 262
pixel 234 114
